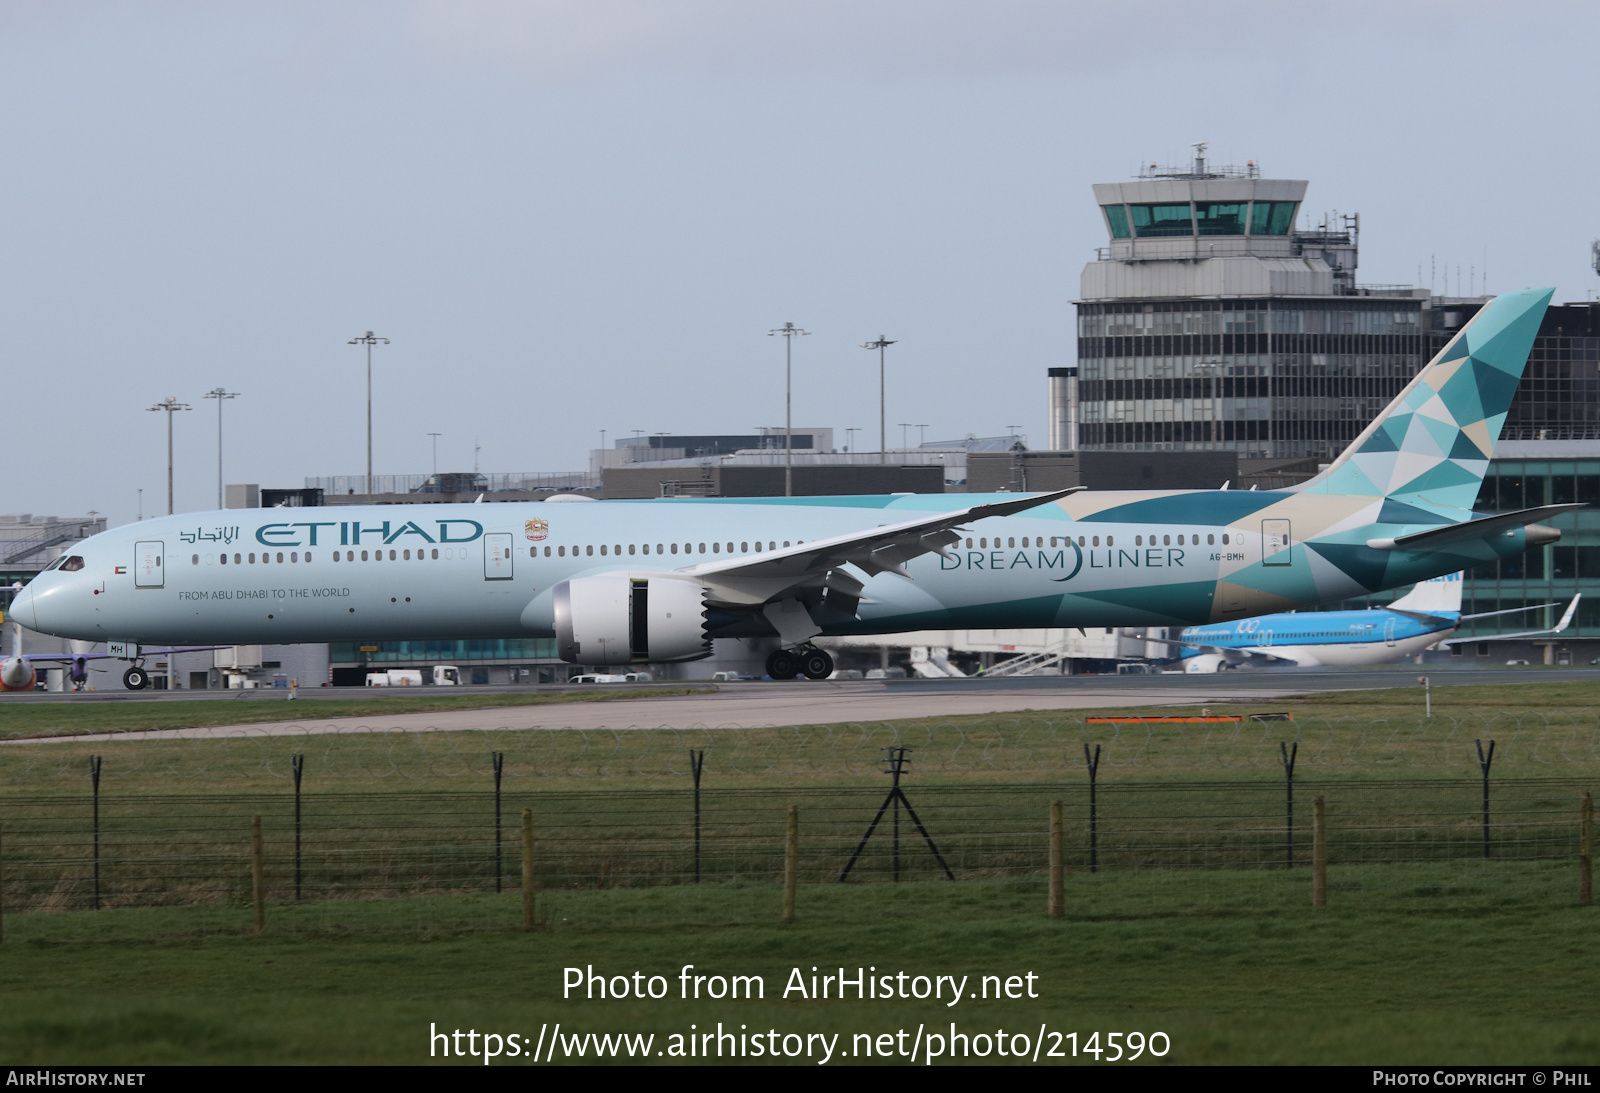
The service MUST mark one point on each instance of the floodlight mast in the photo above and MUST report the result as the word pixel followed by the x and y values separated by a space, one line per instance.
pixel 883 430
pixel 369 340
pixel 220 393
pixel 789 332
pixel 170 405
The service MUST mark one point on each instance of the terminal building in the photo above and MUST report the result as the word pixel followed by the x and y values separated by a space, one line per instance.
pixel 1214 320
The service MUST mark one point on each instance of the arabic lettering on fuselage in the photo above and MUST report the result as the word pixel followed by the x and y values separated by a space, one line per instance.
pixel 215 535
pixel 356 533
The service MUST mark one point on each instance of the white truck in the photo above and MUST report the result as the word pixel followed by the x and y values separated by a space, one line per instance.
pixel 440 675
pixel 395 677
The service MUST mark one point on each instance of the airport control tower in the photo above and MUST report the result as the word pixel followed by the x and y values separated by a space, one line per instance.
pixel 1211 321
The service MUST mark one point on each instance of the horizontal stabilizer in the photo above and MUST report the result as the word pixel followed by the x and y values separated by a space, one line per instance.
pixel 1472 529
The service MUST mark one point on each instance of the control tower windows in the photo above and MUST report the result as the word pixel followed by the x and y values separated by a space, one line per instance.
pixel 1272 218
pixel 1117 217
pixel 1219 218
pixel 1155 221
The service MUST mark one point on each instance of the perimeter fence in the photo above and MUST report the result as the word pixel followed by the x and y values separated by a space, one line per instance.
pixel 1472 811
pixel 1023 747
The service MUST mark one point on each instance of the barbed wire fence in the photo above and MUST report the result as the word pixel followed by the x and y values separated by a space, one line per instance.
pixel 1185 818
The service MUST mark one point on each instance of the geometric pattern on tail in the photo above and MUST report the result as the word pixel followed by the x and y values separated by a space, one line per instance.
pixel 1431 446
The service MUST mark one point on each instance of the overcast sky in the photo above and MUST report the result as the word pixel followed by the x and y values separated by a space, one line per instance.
pixel 575 215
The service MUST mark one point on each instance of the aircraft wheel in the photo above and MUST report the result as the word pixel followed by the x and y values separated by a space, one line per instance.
pixel 136 678
pixel 816 664
pixel 783 664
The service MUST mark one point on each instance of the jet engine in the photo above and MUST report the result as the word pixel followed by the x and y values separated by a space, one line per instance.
pixel 16 674
pixel 619 618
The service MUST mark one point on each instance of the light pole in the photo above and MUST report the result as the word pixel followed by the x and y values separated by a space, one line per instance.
pixel 369 340
pixel 436 437
pixel 170 405
pixel 883 431
pixel 789 332
pixel 922 437
pixel 905 440
pixel 850 440
pixel 220 393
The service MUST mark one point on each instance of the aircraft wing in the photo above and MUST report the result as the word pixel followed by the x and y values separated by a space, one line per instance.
pixel 1511 611
pixel 1566 620
pixel 753 580
pixel 102 656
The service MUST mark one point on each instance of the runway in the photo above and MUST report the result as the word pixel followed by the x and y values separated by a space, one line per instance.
pixel 760 705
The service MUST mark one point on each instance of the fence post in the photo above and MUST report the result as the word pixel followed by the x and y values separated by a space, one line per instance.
pixel 1058 899
pixel 791 861
pixel 298 762
pixel 499 758
pixel 1484 762
pixel 1586 851
pixel 2 897
pixel 697 763
pixel 527 869
pixel 94 778
pixel 1288 774
pixel 1093 763
pixel 1319 854
pixel 258 875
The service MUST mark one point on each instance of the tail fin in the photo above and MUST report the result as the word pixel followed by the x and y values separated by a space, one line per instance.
pixel 1433 597
pixel 1431 445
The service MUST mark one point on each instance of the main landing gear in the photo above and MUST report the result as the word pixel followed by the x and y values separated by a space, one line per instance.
pixel 808 661
pixel 136 678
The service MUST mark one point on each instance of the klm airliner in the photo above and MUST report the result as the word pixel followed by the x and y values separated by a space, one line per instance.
pixel 1426 616
pixel 616 582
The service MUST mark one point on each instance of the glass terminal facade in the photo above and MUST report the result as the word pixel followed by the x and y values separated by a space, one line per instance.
pixel 1270 378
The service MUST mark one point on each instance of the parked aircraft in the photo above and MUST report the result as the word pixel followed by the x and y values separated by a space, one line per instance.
pixel 618 582
pixel 1426 616
pixel 18 672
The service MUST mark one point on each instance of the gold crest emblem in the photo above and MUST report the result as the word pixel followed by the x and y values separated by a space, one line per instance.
pixel 538 529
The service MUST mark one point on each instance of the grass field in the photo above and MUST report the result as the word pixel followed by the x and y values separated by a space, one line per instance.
pixel 1426 954
pixel 1541 730
pixel 1501 980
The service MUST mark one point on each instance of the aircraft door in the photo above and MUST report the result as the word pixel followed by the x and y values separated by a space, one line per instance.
pixel 1265 639
pixel 148 571
pixel 1275 543
pixel 497 556
pixel 1388 632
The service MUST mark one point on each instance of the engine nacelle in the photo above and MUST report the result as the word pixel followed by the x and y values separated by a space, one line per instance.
pixel 620 618
pixel 16 674
pixel 1203 664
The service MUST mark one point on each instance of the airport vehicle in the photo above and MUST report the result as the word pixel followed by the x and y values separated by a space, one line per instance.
pixel 395 677
pixel 1424 617
pixel 625 582
pixel 625 677
pixel 446 675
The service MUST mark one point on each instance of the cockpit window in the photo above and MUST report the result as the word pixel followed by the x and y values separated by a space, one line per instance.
pixel 72 564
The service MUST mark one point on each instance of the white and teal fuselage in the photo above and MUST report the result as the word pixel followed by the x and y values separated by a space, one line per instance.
pixel 488 570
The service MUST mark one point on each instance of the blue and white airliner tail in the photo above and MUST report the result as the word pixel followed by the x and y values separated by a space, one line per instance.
pixel 1427 616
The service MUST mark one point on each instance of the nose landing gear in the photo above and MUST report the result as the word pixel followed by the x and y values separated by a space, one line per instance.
pixel 808 660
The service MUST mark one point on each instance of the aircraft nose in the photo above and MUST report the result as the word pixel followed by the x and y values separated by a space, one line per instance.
pixel 22 609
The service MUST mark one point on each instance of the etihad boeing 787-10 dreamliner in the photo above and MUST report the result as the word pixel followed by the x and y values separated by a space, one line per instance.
pixel 637 581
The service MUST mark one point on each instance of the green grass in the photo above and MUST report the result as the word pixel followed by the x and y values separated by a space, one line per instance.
pixel 1540 731
pixel 1235 968
pixel 27 719
pixel 1426 954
